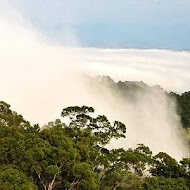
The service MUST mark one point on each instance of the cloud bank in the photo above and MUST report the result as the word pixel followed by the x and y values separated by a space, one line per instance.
pixel 39 79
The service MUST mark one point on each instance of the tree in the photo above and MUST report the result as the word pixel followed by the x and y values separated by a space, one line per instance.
pixel 73 156
pixel 91 134
pixel 13 179
pixel 166 166
pixel 100 127
pixel 161 183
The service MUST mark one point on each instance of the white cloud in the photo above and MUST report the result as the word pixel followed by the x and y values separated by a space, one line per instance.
pixel 167 68
pixel 39 79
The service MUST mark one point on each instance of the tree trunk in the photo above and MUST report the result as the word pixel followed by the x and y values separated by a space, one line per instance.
pixel 45 186
pixel 50 186
pixel 73 184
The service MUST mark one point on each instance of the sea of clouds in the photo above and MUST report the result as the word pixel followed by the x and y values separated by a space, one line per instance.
pixel 39 78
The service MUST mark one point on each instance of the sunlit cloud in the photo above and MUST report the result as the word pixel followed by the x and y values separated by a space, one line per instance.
pixel 39 78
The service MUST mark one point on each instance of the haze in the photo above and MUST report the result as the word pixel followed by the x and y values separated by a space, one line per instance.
pixel 39 78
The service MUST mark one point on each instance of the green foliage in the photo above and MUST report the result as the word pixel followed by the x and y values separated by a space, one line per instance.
pixel 166 166
pixel 14 179
pixel 9 117
pixel 183 107
pixel 161 183
pixel 101 130
pixel 74 156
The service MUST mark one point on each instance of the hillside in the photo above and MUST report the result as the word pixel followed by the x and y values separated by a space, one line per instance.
pixel 74 155
pixel 132 89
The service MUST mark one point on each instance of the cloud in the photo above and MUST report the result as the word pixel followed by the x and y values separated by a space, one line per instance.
pixel 39 79
pixel 149 114
pixel 163 67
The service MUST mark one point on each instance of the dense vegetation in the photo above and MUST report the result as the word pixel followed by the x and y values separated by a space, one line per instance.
pixel 74 156
pixel 183 104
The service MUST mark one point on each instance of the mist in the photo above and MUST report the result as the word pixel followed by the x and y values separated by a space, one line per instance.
pixel 39 79
pixel 148 112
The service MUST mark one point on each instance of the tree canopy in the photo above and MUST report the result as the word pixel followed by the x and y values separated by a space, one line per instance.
pixel 73 155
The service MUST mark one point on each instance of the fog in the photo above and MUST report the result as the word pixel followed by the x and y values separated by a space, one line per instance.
pixel 39 79
pixel 149 114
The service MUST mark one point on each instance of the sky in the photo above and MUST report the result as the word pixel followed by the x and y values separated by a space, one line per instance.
pixel 40 75
pixel 33 62
pixel 162 24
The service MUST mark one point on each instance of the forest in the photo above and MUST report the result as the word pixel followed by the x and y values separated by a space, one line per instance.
pixel 73 155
